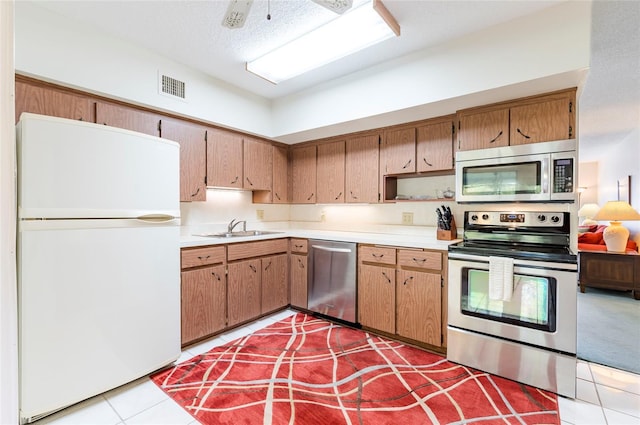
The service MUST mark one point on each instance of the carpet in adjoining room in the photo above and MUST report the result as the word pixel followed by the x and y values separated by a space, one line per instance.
pixel 306 370
pixel 609 329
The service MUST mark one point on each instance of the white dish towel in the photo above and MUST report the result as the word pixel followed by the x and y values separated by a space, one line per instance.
pixel 500 278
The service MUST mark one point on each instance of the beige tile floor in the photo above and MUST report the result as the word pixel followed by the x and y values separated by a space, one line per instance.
pixel 604 395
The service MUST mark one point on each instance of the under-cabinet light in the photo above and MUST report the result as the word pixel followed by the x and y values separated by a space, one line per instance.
pixel 366 24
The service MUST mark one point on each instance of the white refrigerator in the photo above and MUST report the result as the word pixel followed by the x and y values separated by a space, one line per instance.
pixel 98 259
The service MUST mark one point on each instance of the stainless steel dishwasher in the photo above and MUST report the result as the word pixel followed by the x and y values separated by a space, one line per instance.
pixel 332 279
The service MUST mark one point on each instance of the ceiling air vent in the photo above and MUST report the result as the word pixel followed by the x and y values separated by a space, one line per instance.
pixel 172 87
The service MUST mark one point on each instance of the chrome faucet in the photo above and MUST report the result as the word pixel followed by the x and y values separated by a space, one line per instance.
pixel 234 223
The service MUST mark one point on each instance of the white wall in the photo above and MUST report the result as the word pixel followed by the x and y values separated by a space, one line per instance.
pixel 526 56
pixel 617 160
pixel 545 51
pixel 8 304
pixel 65 51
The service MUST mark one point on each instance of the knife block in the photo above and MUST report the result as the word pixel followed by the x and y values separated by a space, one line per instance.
pixel 448 235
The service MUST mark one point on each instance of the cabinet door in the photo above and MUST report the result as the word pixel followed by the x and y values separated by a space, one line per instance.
pixel 303 175
pixel 480 130
pixel 377 297
pixel 434 150
pixel 399 151
pixel 541 122
pixel 203 302
pixel 257 165
pixel 192 157
pixel 299 280
pixel 361 178
pixel 331 172
pixel 274 282
pixel 243 291
pixel 280 191
pixel 419 306
pixel 224 158
pixel 53 102
pixel 128 118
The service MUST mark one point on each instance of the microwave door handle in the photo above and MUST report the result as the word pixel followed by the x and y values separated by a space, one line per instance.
pixel 546 177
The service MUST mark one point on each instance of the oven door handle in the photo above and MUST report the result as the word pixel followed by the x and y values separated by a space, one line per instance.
pixel 518 263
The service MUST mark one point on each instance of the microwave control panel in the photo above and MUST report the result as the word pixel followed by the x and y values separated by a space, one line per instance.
pixel 563 175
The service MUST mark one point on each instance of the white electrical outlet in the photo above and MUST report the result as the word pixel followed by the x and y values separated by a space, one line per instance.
pixel 407 218
pixel 260 214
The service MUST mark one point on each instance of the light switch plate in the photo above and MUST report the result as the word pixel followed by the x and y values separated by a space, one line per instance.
pixel 407 218
pixel 260 214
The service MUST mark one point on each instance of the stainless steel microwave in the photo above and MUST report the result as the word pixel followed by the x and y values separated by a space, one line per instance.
pixel 537 172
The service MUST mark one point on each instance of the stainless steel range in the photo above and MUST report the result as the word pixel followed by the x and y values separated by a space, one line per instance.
pixel 512 298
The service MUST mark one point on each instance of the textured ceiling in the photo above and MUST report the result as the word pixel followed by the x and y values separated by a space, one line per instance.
pixel 190 32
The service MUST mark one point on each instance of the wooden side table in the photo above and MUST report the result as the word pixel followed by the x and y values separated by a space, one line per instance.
pixel 609 270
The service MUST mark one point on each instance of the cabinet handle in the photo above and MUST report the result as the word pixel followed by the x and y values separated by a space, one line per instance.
pixel 300 263
pixel 202 258
pixel 196 192
pixel 338 197
pixel 276 195
pixel 249 181
pixel 419 260
pixel 425 161
pixel 216 275
pixel 268 265
pixel 310 196
pixel 235 180
pixel 407 164
pixel 352 195
pixel 409 279
pixel 496 138
pixel 386 277
pixel 298 246
pixel 524 135
pixel 253 269
pixel 377 257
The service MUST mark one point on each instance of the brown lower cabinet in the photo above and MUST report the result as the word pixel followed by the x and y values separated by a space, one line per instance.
pixel 401 292
pixel 298 273
pixel 203 292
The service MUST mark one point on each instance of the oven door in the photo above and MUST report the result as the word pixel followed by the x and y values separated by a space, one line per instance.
pixel 541 311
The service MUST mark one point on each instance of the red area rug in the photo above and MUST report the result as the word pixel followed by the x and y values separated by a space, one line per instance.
pixel 305 370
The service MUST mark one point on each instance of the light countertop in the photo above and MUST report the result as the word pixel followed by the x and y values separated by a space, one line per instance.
pixel 188 239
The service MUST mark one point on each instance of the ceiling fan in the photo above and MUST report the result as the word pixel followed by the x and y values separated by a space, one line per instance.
pixel 238 10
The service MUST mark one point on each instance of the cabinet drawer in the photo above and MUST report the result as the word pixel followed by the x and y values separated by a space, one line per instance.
pixel 299 246
pixel 194 257
pixel 420 259
pixel 238 251
pixel 376 254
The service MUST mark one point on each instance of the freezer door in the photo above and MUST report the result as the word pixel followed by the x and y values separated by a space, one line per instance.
pixel 99 306
pixel 73 169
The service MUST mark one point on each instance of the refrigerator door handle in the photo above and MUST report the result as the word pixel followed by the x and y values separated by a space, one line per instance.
pixel 156 218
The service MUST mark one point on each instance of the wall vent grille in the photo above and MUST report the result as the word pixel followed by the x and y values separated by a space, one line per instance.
pixel 172 86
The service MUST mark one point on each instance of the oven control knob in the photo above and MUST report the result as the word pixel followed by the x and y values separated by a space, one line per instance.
pixel 555 218
pixel 474 218
pixel 485 216
pixel 542 218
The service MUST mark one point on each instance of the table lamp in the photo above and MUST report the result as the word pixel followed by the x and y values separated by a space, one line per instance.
pixel 588 211
pixel 616 235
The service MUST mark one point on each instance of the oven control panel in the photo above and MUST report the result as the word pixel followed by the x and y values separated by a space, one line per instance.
pixel 501 218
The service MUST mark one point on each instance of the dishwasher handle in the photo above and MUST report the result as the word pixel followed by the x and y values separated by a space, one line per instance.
pixel 330 249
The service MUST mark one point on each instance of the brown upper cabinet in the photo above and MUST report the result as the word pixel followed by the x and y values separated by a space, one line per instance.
pixel 303 175
pixel 191 138
pixel 47 100
pixel 528 120
pixel 280 189
pixel 257 165
pixel 362 165
pixel 398 152
pixel 224 158
pixel 128 118
pixel 331 172
pixel 434 146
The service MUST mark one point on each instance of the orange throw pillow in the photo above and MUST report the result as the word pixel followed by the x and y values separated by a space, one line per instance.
pixel 591 238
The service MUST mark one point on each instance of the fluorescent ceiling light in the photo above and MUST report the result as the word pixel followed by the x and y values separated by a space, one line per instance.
pixel 363 26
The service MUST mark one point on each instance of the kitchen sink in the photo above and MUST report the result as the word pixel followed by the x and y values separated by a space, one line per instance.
pixel 236 234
